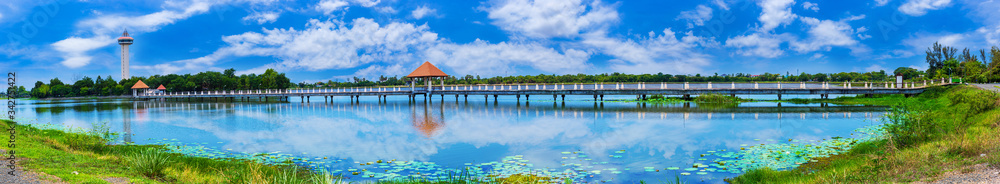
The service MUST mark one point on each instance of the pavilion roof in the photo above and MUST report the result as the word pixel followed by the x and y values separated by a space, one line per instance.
pixel 427 70
pixel 161 87
pixel 140 85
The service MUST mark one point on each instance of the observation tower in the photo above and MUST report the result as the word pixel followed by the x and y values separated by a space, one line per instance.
pixel 125 41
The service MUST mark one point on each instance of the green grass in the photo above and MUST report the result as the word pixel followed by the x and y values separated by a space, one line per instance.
pixel 716 98
pixel 941 130
pixel 61 153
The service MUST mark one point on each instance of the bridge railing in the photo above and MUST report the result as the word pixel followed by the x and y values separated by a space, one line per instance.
pixel 569 86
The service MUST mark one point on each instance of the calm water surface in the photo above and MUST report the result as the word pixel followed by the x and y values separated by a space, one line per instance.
pixel 594 142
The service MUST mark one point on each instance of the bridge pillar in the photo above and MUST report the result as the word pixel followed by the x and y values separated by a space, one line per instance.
pixel 466 98
pixel 307 98
pixel 518 98
pixel 595 100
pixel 494 98
pixel 602 99
pixel 456 97
pixel 527 97
pixel 555 97
pixel 486 98
pixel 732 95
pixel 442 95
pixel 779 96
pixel 563 98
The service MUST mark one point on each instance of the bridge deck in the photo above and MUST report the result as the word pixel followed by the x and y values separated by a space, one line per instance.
pixel 566 89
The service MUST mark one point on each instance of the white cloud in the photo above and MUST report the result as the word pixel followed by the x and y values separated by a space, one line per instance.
pixel 991 36
pixel 861 33
pixel 386 9
pixel 721 4
pixel 481 57
pixel 921 68
pixel 920 7
pixel 874 68
pixel 330 6
pixel 898 53
pixel 337 45
pixel 75 48
pixel 262 17
pixel 422 11
pixel 922 41
pixel 696 17
pixel 824 34
pixel 758 44
pixel 881 2
pixel 75 56
pixel 775 13
pixel 817 56
pixel 367 3
pixel 655 53
pixel 545 19
pixel 810 6
pixel 144 23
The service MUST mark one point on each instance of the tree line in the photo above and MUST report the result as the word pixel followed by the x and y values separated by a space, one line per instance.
pixel 946 61
pixel 203 81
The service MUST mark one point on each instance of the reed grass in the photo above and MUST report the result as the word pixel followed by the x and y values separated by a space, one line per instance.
pixel 150 163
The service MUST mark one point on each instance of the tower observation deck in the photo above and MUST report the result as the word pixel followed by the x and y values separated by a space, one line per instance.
pixel 125 41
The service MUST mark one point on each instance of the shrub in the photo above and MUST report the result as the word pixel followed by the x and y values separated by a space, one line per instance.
pixel 149 162
pixel 715 98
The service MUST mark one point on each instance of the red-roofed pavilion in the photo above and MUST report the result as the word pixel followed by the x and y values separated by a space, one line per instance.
pixel 139 86
pixel 427 71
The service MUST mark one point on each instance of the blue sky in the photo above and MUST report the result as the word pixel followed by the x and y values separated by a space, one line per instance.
pixel 337 39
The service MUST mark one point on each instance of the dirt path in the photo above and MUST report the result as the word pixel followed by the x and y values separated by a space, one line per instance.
pixel 22 176
pixel 980 173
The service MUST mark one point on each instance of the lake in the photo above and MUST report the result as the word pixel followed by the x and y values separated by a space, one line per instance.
pixel 586 141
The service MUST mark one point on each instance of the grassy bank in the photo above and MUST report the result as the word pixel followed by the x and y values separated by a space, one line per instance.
pixel 941 130
pixel 85 157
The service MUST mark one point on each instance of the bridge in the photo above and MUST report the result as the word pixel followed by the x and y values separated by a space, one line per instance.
pixel 557 91
pixel 428 71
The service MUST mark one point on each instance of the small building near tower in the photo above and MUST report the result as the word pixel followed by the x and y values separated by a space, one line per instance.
pixel 160 90
pixel 138 88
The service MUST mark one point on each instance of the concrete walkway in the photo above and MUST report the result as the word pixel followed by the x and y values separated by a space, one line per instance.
pixel 989 87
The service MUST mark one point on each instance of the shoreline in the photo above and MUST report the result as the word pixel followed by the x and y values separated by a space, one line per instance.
pixel 962 120
pixel 56 146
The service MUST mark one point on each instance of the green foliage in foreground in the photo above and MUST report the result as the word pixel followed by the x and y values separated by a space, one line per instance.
pixel 943 129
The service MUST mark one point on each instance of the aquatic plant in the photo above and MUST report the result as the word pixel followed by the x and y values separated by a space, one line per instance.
pixel 716 98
